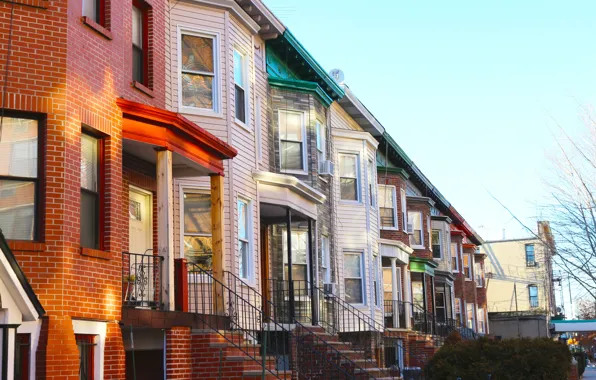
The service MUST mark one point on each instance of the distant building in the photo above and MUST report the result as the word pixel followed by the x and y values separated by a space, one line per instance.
pixel 520 286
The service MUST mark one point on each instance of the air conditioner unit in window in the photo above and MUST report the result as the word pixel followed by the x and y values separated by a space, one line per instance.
pixel 330 289
pixel 326 167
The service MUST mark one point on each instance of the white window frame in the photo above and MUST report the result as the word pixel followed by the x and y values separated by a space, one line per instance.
pixel 321 131
pixel 303 142
pixel 358 177
pixel 481 322
pixel 456 257
pixel 394 195
pixel 377 281
pixel 325 259
pixel 284 249
pixel 421 245
pixel 404 210
pixel 474 326
pixel 244 124
pixel 189 189
pixel 461 310
pixel 479 274
pixel 362 277
pixel 249 232
pixel 441 255
pixel 370 176
pixel 470 266
pixel 216 86
pixel 93 328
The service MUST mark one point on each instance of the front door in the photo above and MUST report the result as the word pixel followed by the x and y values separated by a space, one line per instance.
pixel 140 223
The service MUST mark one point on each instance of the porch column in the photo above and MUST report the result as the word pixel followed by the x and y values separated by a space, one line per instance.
pixel 165 226
pixel 408 296
pixel 311 257
pixel 217 228
pixel 290 281
pixel 394 292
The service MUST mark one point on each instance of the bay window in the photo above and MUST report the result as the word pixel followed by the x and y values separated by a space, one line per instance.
pixel 198 78
pixel 353 277
pixel 197 239
pixel 292 137
pixel 240 86
pixel 19 178
pixel 436 244
pixel 349 177
pixel 479 274
pixel 370 175
pixel 455 257
pixel 468 266
pixel 387 207
pixel 325 261
pixel 91 221
pixel 404 214
pixel 415 229
pixel 321 131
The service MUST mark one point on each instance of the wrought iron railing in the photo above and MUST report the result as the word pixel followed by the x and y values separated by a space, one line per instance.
pixel 427 323
pixel 395 314
pixel 235 311
pixel 141 280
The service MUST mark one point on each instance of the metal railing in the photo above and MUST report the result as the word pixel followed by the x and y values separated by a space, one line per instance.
pixel 427 323
pixel 395 314
pixel 141 280
pixel 235 311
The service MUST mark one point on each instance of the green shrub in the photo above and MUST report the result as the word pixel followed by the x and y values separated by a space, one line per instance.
pixel 511 359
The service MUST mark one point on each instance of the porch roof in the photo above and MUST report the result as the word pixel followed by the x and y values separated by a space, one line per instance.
pixel 170 130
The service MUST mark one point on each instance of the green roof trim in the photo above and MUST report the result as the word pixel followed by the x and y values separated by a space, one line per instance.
pixel 399 171
pixel 302 86
pixel 419 265
pixel 295 62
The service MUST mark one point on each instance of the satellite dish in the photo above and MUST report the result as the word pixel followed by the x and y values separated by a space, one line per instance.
pixel 559 309
pixel 337 75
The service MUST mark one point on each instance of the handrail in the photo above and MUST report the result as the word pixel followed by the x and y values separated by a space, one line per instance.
pixel 141 280
pixel 245 322
pixel 283 314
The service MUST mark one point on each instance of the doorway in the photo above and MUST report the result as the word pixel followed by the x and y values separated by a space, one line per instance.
pixel 140 221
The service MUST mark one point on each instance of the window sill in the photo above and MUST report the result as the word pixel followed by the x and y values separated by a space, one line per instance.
pixel 24 245
pixel 294 172
pixel 350 202
pixel 141 87
pixel 389 229
pixel 199 111
pixel 90 252
pixel 322 178
pixel 417 247
pixel 242 125
pixel 102 31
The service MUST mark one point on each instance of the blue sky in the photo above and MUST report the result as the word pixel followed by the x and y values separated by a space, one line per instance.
pixel 470 90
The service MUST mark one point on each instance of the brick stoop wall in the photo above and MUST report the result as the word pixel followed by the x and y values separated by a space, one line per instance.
pixel 420 348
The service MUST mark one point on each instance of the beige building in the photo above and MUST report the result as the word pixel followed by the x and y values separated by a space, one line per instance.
pixel 519 272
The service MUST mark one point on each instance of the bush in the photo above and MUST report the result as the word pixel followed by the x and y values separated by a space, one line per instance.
pixel 511 359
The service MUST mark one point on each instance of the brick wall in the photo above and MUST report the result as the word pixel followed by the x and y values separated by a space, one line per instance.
pixel 178 353
pixel 399 183
pixel 424 208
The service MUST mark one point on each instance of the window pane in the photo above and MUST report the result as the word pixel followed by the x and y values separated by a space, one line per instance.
pixel 243 262
pixel 386 197
pixel 197 91
pixel 238 69
pixel 299 247
pixel 89 163
pixel 90 9
pixel 353 290
pixel 198 250
pixel 387 219
pixel 197 213
pixel 89 220
pixel 17 209
pixel 291 155
pixel 137 27
pixel 240 104
pixel 347 166
pixel 242 221
pixel 349 190
pixel 18 148
pixel 352 266
pixel 290 126
pixel 416 237
pixel 137 64
pixel 197 53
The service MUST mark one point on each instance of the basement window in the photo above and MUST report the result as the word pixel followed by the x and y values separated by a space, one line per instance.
pixel 86 344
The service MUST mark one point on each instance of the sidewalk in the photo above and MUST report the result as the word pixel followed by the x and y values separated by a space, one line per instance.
pixel 590 373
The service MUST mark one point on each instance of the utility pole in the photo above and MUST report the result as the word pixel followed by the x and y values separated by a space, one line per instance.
pixel 516 311
pixel 570 299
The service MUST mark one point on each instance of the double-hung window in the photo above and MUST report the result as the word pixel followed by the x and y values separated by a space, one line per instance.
pixel 353 277
pixel 533 291
pixel 321 141
pixel 471 316
pixel 459 311
pixel 481 324
pixel 19 178
pixel 140 42
pixel 415 229
pixel 440 306
pixel 376 280
pixel 197 242
pixel 240 86
pixel 387 207
pixel 348 177
pixel 468 266
pixel 198 79
pixel 299 257
pixel 404 214
pixel 325 261
pixel 292 140
pixel 91 207
pixel 479 274
pixel 86 344
pixel 455 257
pixel 94 10
pixel 530 256
pixel 245 258
pixel 370 175
pixel 436 244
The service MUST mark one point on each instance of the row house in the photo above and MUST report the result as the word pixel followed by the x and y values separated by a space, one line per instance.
pixel 185 191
